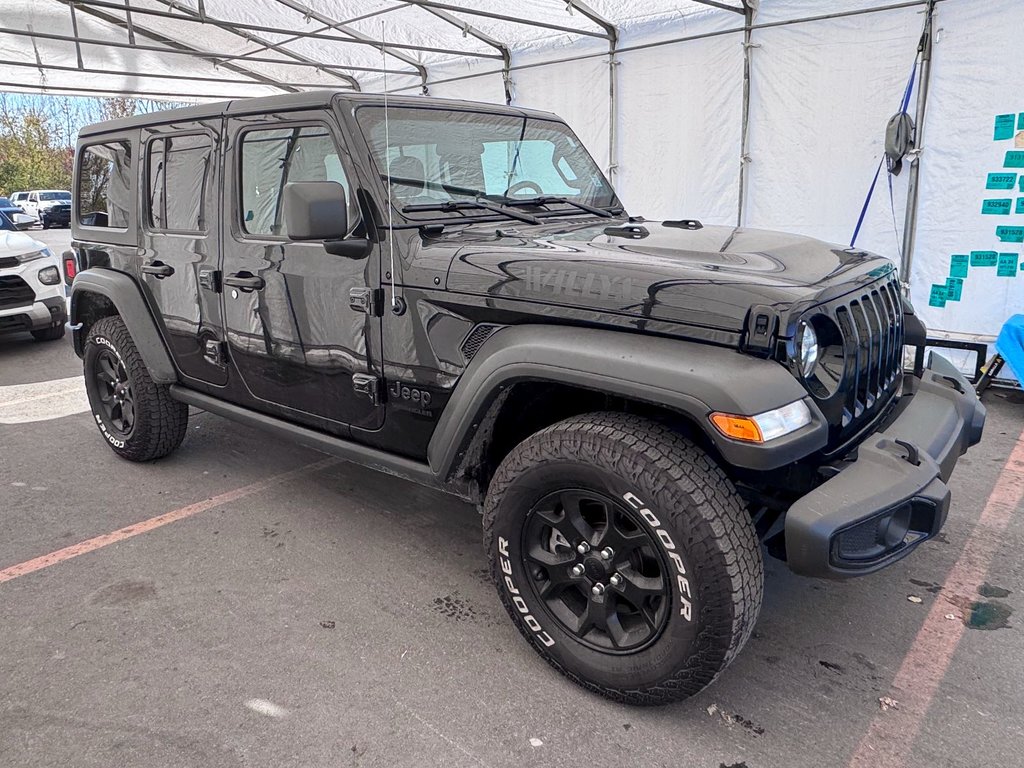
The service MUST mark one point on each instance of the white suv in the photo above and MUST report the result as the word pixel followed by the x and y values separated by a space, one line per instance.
pixel 51 206
pixel 31 290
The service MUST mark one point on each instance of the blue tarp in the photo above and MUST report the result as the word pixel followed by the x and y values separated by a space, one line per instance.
pixel 1010 345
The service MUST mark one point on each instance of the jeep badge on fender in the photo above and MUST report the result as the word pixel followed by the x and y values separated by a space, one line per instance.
pixel 453 293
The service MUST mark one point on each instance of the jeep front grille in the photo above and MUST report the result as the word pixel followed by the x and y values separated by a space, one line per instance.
pixel 871 324
pixel 15 292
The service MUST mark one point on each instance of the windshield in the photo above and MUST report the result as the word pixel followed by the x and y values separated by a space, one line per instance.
pixel 438 155
pixel 54 195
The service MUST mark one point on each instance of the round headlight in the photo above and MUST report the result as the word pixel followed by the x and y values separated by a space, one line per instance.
pixel 807 348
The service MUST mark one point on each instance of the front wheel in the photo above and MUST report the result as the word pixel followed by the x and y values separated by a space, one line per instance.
pixel 624 555
pixel 135 415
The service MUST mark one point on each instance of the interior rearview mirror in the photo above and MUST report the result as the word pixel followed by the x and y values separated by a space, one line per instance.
pixel 315 210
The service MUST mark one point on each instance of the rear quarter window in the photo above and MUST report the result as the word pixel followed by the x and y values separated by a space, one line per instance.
pixel 104 185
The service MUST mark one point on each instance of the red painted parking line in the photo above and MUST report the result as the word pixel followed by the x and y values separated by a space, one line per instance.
pixel 892 734
pixel 91 545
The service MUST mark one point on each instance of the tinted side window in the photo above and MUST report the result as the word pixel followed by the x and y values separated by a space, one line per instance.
pixel 104 185
pixel 177 168
pixel 272 158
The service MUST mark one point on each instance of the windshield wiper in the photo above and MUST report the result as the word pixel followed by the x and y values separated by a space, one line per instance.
pixel 456 205
pixel 548 199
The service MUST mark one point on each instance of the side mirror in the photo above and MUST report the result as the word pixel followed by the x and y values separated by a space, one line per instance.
pixel 315 210
pixel 23 220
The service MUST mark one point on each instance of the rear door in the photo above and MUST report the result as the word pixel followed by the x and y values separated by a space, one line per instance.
pixel 294 339
pixel 179 249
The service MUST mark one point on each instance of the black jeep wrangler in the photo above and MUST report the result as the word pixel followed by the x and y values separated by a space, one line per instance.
pixel 453 293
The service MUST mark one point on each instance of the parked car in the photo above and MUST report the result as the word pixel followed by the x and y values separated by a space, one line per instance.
pixel 453 293
pixel 51 206
pixel 16 215
pixel 31 293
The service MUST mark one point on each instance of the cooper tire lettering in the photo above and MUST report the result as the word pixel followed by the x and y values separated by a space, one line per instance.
pixel 517 600
pixel 682 581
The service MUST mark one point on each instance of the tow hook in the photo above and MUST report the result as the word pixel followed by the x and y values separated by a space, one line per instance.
pixel 913 455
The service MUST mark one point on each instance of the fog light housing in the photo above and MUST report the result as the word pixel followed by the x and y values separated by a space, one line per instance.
pixel 49 276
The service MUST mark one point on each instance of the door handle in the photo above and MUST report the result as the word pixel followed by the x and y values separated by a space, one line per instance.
pixel 244 280
pixel 159 269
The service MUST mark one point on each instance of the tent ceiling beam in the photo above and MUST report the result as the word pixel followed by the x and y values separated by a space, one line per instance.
pixel 469 29
pixel 341 27
pixel 171 43
pixel 610 30
pixel 245 35
pixel 724 7
pixel 504 17
pixel 74 29
pixel 210 56
pixel 128 21
pixel 188 15
pixel 127 92
pixel 326 27
pixel 155 75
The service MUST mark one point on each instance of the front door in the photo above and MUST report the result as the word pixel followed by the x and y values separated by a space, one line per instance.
pixel 293 338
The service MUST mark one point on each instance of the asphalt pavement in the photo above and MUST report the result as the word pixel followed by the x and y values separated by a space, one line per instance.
pixel 306 612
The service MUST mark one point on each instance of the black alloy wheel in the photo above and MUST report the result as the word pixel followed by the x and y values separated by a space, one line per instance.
pixel 596 570
pixel 117 403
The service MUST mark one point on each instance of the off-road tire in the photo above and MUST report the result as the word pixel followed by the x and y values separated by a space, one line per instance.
pixel 49 334
pixel 160 422
pixel 698 512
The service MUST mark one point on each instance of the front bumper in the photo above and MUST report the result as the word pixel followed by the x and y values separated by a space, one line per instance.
pixel 58 216
pixel 38 316
pixel 893 496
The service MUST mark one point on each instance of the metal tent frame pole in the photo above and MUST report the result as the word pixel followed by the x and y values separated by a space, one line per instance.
pixel 469 29
pixel 355 34
pixel 913 183
pixel 612 33
pixel 748 46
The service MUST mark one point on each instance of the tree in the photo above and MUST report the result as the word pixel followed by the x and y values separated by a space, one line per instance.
pixel 38 136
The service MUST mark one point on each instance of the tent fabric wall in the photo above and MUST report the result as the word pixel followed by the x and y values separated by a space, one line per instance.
pixel 971 84
pixel 821 94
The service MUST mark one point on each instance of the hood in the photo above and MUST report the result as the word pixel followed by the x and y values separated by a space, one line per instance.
pixel 17 243
pixel 707 277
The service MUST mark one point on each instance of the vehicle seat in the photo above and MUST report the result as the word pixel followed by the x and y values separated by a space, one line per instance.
pixel 411 169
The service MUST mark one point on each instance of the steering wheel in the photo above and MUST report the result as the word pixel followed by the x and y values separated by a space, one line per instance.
pixel 521 186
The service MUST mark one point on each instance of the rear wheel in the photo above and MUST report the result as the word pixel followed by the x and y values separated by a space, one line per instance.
pixel 135 415
pixel 624 555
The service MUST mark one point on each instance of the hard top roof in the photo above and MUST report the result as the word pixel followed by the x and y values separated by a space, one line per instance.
pixel 295 101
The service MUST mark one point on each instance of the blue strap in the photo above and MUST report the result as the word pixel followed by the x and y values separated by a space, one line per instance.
pixel 874 182
pixel 867 202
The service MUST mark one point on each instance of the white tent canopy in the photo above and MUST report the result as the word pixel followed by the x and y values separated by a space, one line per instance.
pixel 768 114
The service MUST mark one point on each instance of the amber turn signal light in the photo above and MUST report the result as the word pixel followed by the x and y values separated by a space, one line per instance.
pixel 737 427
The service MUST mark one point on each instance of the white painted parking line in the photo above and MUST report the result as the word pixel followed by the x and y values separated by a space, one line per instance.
pixel 42 401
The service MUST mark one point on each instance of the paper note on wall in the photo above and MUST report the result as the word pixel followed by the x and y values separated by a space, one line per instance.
pixel 958 264
pixel 997 207
pixel 1014 159
pixel 954 288
pixel 984 258
pixel 1010 234
pixel 1001 180
pixel 1004 127
pixel 938 296
pixel 1007 266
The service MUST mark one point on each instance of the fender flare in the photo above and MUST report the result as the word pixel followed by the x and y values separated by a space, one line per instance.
pixel 124 294
pixel 691 378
